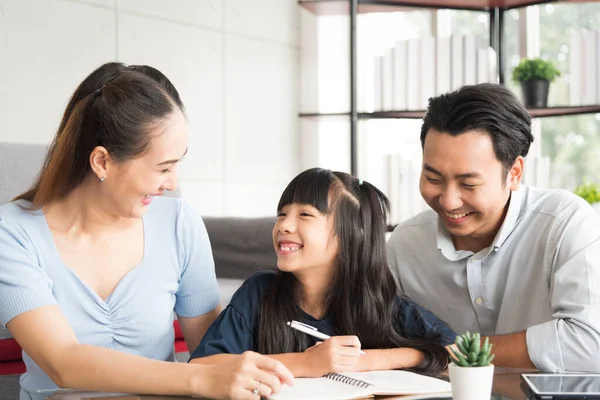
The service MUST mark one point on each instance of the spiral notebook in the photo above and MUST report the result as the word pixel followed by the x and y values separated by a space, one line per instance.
pixel 360 385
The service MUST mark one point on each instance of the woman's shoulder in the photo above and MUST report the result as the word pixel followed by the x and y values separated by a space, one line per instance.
pixel 16 213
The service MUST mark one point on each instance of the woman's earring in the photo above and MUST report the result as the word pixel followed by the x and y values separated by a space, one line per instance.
pixel 102 179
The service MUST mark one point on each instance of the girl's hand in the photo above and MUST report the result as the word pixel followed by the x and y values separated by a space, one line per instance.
pixel 337 354
pixel 240 377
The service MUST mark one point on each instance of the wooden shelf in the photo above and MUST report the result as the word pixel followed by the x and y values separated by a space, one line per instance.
pixel 337 7
pixel 560 111
pixel 418 114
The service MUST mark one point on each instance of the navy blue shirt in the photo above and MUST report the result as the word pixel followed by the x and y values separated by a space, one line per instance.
pixel 235 329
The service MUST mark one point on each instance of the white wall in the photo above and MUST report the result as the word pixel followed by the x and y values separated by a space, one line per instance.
pixel 234 62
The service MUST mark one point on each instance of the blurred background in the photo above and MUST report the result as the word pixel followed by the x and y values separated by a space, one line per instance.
pixel 266 84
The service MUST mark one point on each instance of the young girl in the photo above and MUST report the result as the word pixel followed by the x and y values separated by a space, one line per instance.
pixel 333 275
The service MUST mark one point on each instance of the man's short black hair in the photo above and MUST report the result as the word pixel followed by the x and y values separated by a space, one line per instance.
pixel 488 108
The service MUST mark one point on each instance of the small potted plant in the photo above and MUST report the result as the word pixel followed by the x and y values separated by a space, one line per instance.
pixel 535 76
pixel 471 371
pixel 590 192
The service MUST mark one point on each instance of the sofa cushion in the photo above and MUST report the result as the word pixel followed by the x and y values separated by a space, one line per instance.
pixel 9 386
pixel 4 333
pixel 241 245
pixel 11 367
pixel 19 165
pixel 9 350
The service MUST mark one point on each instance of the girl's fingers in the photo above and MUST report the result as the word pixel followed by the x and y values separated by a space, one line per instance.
pixel 347 341
pixel 348 352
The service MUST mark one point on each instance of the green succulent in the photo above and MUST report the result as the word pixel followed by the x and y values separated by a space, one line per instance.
pixel 470 353
pixel 535 69
pixel 590 192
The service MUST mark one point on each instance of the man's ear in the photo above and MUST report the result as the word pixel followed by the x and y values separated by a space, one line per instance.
pixel 515 175
pixel 99 162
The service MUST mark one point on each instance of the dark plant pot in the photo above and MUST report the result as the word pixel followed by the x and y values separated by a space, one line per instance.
pixel 535 93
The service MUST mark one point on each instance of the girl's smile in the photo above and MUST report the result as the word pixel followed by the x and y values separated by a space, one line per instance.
pixel 287 247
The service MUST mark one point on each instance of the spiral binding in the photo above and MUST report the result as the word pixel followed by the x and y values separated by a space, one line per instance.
pixel 347 380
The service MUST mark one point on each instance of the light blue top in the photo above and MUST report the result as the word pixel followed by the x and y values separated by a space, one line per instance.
pixel 177 273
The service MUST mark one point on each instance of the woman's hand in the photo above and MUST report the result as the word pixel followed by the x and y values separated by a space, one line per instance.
pixel 337 354
pixel 239 378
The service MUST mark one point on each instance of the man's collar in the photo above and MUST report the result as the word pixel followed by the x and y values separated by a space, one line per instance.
pixel 444 240
pixel 510 220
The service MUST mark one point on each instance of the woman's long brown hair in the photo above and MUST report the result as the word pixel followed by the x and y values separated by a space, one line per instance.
pixel 113 107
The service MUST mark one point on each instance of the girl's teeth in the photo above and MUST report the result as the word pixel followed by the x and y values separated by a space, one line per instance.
pixel 284 248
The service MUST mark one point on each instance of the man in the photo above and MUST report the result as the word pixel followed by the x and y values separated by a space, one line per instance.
pixel 518 264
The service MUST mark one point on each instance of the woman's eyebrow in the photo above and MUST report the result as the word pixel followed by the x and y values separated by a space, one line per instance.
pixel 173 161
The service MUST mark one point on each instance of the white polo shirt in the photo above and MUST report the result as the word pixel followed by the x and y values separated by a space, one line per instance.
pixel 541 274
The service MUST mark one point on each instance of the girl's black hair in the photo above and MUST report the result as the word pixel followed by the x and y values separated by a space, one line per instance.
pixel 362 279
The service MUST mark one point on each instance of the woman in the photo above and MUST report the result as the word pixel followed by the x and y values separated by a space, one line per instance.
pixel 332 275
pixel 93 262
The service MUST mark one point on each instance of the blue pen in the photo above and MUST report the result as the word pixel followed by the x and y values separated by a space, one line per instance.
pixel 311 330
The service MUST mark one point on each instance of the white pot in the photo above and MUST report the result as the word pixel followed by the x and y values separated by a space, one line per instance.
pixel 596 206
pixel 471 383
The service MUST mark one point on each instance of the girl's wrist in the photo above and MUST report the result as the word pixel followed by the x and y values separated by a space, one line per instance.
pixel 305 365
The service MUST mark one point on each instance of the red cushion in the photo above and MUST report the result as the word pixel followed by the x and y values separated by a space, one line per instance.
pixel 178 333
pixel 9 350
pixel 12 367
pixel 180 345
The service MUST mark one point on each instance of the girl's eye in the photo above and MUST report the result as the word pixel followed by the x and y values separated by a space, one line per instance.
pixel 305 214
pixel 431 180
pixel 280 214
pixel 467 186
pixel 164 171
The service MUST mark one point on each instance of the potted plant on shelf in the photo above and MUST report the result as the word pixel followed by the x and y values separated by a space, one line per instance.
pixel 471 371
pixel 590 192
pixel 535 76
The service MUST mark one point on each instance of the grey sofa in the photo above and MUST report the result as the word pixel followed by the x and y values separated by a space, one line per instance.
pixel 240 245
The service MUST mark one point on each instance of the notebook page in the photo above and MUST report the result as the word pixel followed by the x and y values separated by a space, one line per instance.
pixel 401 382
pixel 321 389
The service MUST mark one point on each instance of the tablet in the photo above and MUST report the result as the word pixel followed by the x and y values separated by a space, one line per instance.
pixel 563 386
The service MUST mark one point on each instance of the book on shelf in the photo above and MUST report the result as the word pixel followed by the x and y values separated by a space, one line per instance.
pixel 584 67
pixel 414 70
pixel 413 92
pixel 469 60
pixel 400 76
pixel 457 62
pixel 388 80
pixel 427 69
pixel 378 83
pixel 443 69
pixel 361 385
pixel 486 65
pixel 575 69
pixel 597 66
pixel 590 67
